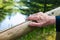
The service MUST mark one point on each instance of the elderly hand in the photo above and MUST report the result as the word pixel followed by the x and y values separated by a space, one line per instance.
pixel 41 19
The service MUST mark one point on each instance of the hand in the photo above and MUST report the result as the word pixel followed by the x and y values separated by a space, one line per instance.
pixel 41 19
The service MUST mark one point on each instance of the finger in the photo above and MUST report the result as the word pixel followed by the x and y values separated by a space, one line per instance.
pixel 33 24
pixel 36 24
pixel 40 13
pixel 33 18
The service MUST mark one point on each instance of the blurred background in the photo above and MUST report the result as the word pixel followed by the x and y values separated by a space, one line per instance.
pixel 9 8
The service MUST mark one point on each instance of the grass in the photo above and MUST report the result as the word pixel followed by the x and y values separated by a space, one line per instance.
pixel 45 33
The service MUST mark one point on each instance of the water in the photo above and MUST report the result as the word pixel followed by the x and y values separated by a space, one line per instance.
pixel 12 20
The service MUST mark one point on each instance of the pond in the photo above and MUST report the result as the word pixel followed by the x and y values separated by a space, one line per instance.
pixel 12 20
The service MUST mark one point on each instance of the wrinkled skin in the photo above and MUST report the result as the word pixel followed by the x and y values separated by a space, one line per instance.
pixel 41 19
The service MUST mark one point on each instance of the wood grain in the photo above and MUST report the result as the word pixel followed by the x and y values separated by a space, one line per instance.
pixel 23 28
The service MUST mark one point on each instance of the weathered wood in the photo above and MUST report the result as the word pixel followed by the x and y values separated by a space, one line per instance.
pixel 15 32
pixel 23 28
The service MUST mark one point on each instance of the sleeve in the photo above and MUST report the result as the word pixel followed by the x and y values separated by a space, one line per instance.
pixel 58 23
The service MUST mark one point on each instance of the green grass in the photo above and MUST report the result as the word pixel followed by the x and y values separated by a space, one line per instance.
pixel 45 33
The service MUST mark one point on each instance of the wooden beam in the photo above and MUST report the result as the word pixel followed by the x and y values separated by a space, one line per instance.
pixel 15 32
pixel 23 28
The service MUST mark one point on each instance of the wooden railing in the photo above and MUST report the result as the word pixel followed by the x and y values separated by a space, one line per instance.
pixel 23 28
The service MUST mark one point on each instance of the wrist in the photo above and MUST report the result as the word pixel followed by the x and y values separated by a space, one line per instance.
pixel 52 19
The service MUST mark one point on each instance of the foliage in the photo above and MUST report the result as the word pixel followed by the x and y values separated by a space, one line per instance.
pixel 46 33
pixel 5 6
pixel 35 6
pixel 29 7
